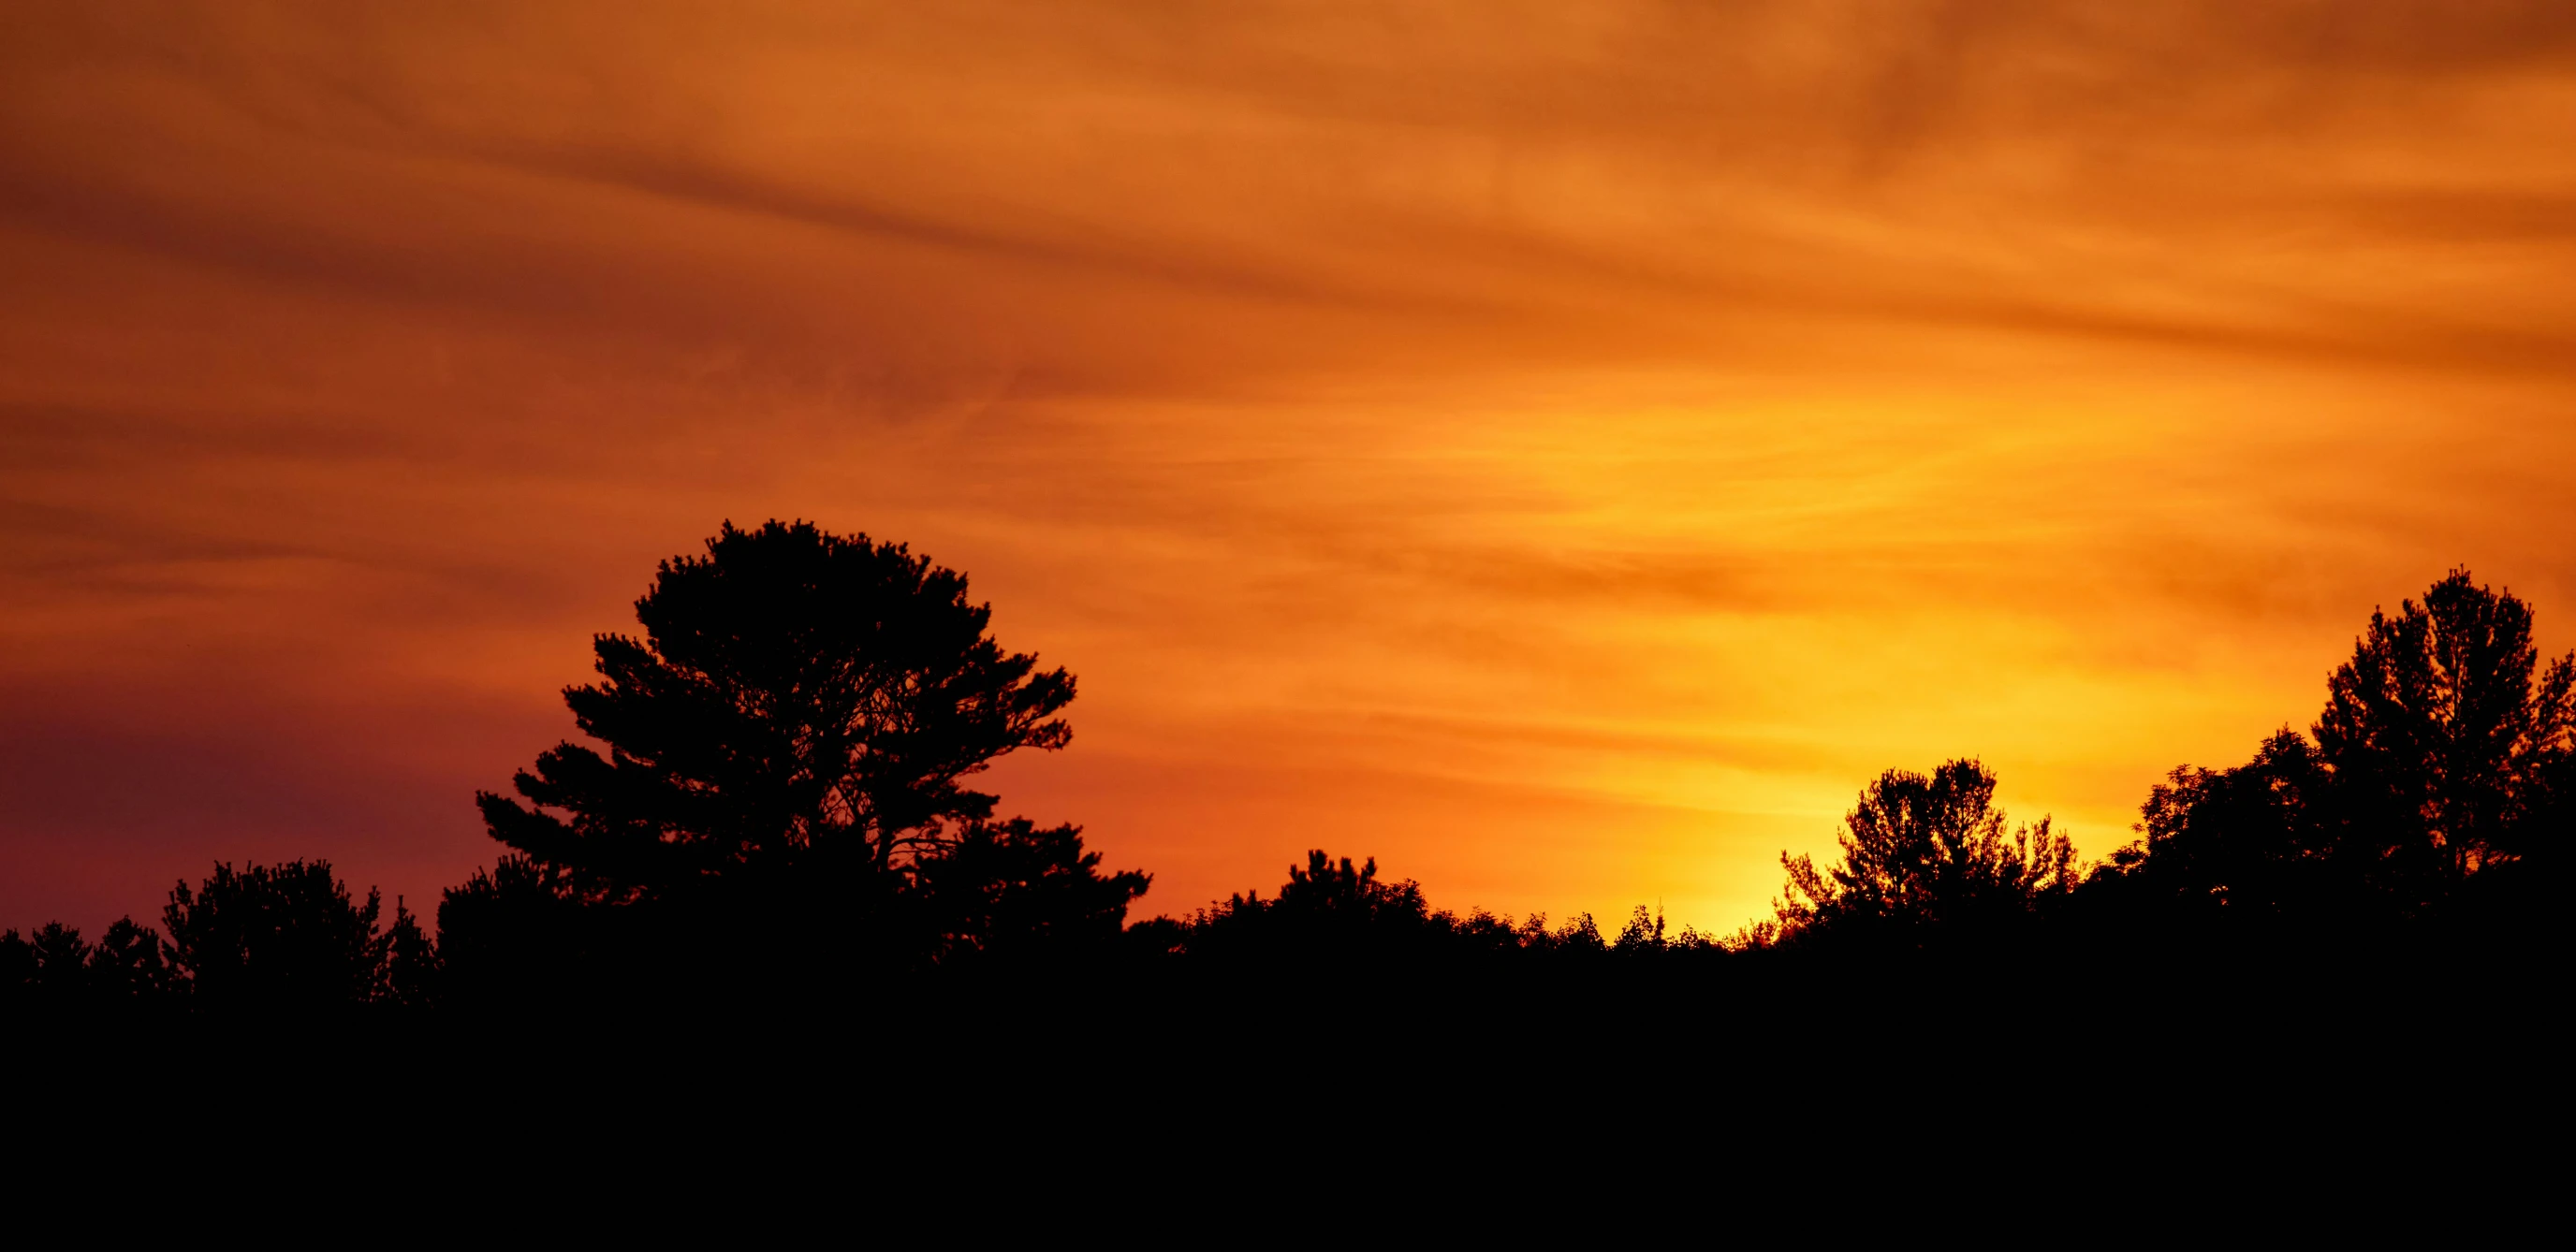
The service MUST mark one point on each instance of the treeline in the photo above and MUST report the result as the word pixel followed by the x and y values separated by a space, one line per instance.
pixel 781 813
pixel 265 936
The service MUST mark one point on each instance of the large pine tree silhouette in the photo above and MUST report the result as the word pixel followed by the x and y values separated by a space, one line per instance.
pixel 797 698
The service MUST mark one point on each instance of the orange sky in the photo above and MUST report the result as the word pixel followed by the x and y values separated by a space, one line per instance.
pixel 1561 449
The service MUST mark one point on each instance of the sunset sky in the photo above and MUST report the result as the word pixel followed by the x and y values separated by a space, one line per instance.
pixel 1563 450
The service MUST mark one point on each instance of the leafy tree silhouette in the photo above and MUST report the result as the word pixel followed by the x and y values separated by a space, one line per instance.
pixel 128 963
pixel 59 969
pixel 1325 909
pixel 412 966
pixel 61 958
pixel 57 963
pixel 2443 756
pixel 1324 889
pixel 1010 889
pixel 19 967
pixel 1335 910
pixel 2251 845
pixel 2438 731
pixel 259 939
pixel 516 933
pixel 1921 852
pixel 276 937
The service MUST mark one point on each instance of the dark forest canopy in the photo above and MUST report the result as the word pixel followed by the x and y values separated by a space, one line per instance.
pixel 774 803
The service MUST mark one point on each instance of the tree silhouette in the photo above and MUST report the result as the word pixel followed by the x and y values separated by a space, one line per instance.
pixel 59 969
pixel 18 965
pixel 1005 889
pixel 62 960
pixel 1338 911
pixel 2251 844
pixel 782 799
pixel 411 962
pixel 283 936
pixel 797 697
pixel 514 933
pixel 128 963
pixel 2443 755
pixel 48 966
pixel 1921 852
pixel 1326 908
pixel 1325 889
pixel 2439 730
